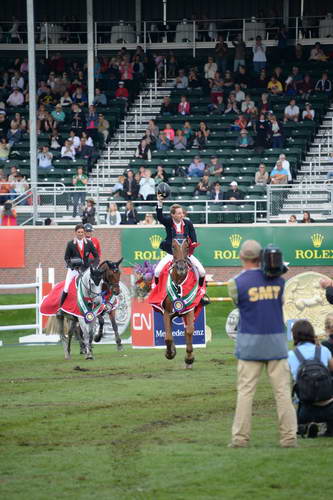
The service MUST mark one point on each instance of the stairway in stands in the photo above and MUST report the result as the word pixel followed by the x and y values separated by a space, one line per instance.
pixel 312 191
pixel 119 153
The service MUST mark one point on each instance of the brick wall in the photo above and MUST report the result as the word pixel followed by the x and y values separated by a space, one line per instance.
pixel 46 246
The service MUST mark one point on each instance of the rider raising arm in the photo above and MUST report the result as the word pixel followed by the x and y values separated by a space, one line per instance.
pixel 176 225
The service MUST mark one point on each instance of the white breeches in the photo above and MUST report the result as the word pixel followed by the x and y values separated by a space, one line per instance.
pixel 71 274
pixel 169 258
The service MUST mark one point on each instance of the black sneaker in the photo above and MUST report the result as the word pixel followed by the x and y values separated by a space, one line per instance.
pixel 312 430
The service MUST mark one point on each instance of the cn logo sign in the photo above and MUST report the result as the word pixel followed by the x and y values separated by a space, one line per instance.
pixel 142 324
pixel 142 321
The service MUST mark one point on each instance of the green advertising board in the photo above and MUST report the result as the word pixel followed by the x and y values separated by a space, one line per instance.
pixel 309 245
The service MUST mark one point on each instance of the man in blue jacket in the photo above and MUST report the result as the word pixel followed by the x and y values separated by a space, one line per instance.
pixel 261 343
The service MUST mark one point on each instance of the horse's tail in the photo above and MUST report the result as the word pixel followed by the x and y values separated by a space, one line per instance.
pixel 53 326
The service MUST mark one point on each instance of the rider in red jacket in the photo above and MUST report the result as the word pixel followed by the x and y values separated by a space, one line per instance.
pixel 88 229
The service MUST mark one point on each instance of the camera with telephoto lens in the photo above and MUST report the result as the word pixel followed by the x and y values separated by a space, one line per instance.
pixel 271 262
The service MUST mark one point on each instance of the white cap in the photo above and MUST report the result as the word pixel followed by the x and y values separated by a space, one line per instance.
pixel 233 183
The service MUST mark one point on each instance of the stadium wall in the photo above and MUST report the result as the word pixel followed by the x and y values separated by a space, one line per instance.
pixel 45 246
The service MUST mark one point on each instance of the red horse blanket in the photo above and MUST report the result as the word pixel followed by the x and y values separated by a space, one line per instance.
pixel 50 303
pixel 189 291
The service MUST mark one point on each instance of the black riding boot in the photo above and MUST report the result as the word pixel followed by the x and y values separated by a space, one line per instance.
pixel 63 298
pixel 156 280
pixel 201 280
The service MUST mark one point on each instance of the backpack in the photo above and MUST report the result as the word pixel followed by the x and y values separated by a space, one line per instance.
pixel 313 379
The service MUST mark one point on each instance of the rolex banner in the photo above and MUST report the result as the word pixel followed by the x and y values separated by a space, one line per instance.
pixel 302 245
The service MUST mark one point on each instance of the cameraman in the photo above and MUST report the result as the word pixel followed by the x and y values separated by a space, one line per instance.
pixel 261 342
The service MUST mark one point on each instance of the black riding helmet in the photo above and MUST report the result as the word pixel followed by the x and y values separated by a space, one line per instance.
pixel 164 189
pixel 88 228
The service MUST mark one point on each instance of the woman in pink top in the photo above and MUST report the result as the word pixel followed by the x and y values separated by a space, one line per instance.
pixel 184 106
pixel 169 132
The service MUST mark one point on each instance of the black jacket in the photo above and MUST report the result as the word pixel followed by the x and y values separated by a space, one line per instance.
pixel 130 217
pixel 167 222
pixel 88 248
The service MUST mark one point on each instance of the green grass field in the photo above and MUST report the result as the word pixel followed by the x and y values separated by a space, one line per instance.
pixel 134 425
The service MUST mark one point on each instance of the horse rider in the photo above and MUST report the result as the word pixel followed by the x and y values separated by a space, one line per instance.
pixel 177 226
pixel 76 257
pixel 88 230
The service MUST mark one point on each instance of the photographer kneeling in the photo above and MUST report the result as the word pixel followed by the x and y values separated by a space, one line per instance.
pixel 310 365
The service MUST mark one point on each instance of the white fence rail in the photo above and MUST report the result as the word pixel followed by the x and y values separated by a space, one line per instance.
pixel 38 285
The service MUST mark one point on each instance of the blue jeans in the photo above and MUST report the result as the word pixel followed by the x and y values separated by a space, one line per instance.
pixel 258 66
pixel 277 142
pixel 196 173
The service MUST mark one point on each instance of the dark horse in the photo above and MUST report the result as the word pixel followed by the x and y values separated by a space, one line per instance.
pixel 179 272
pixel 111 288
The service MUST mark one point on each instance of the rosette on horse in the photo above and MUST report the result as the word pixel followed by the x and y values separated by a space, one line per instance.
pixel 178 293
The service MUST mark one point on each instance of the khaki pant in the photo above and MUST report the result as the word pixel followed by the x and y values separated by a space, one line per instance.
pixel 279 376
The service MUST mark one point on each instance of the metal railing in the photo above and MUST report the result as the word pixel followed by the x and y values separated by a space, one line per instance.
pixel 190 34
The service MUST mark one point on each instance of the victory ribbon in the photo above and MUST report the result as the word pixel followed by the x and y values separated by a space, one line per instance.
pixel 88 313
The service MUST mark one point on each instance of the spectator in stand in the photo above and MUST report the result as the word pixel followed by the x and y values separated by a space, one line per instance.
pixel 17 81
pixel 204 129
pixel 92 122
pixel 197 167
pixel 15 99
pixel 148 220
pixel 118 187
pixel 210 68
pixel 308 113
pixel 292 219
pixel 89 212
pixel 147 186
pixel 78 120
pixel 239 123
pixel 179 141
pixel 324 84
pixel 228 80
pixel 276 132
pixel 306 88
pixel 286 165
pixel 240 52
pixel 278 73
pixel 14 134
pixel 259 55
pixel 85 152
pixel 262 81
pixel 4 150
pixel 12 175
pixel 232 106
pixel 166 107
pixel 317 53
pixel 214 167
pixel 68 151
pixel 193 80
pixel 181 81
pixel 79 182
pixel 216 85
pixel 126 69
pixel 172 66
pixel 244 140
pixel 162 143
pixel 263 131
pixel 239 94
pixel 4 125
pixel 184 106
pixel 169 132
pixel 130 186
pixel 202 188
pixel 113 217
pixel 143 150
pixel 160 175
pixel 217 108
pixel 233 193
pixel 130 216
pixel 79 97
pixel 274 86
pixel 75 139
pixel 261 177
pixel 242 78
pixel 278 174
pixel 221 54
pixel 100 98
pixel 122 93
pixel 247 105
pixel 291 112
pixel 103 127
pixel 200 140
pixel 216 193
pixel 299 55
pixel 153 128
pixel 66 100
pixel 45 158
pixel 20 121
pixel 19 187
pixel 188 133
pixel 58 116
pixel 307 219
